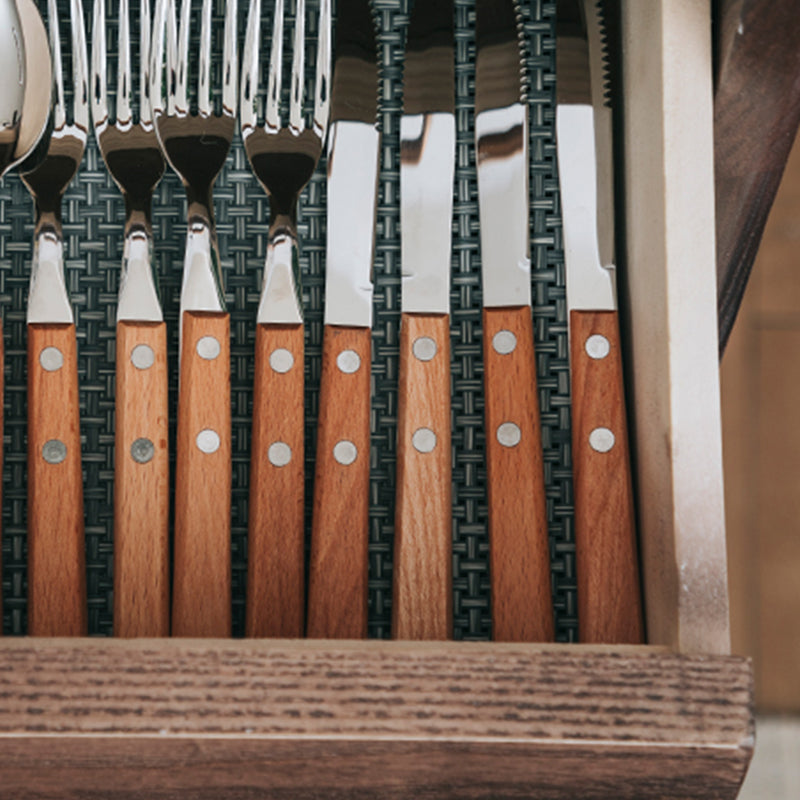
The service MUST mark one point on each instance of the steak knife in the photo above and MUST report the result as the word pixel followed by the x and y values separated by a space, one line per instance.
pixel 337 586
pixel 522 607
pixel 609 598
pixel 422 578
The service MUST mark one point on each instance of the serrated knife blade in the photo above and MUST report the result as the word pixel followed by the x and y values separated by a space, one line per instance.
pixel 609 595
pixel 522 607
pixel 422 578
pixel 337 585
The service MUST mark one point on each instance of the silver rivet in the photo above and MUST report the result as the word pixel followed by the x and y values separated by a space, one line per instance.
pixel 54 451
pixel 281 360
pixel 597 346
pixel 143 356
pixel 279 454
pixel 509 434
pixel 348 361
pixel 345 452
pixel 51 359
pixel 208 441
pixel 142 451
pixel 424 440
pixel 504 342
pixel 208 347
pixel 601 440
pixel 424 348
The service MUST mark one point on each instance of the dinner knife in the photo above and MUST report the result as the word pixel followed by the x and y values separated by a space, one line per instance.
pixel 521 597
pixel 337 586
pixel 609 597
pixel 422 578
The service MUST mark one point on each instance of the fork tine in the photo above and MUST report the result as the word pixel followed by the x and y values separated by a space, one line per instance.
pixel 296 122
pixel 80 72
pixel 124 65
pixel 272 116
pixel 322 92
pixel 204 70
pixel 156 68
pixel 250 67
pixel 99 95
pixel 145 108
pixel 182 76
pixel 229 60
pixel 59 111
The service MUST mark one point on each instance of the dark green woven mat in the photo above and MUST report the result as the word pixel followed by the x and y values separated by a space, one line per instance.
pixel 93 214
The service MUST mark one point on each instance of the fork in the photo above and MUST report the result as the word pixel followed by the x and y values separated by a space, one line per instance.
pixel 56 550
pixel 283 158
pixel 141 489
pixel 196 145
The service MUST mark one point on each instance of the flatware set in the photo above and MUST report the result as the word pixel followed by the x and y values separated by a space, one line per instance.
pixel 179 106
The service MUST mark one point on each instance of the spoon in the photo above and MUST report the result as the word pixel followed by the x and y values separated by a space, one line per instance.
pixel 25 93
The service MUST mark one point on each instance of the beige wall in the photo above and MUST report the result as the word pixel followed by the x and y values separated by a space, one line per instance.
pixel 761 440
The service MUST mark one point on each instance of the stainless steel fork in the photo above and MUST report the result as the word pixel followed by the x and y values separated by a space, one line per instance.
pixel 56 551
pixel 283 158
pixel 196 144
pixel 141 469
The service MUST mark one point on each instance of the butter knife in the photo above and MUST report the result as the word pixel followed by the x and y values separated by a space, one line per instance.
pixel 422 578
pixel 522 607
pixel 609 597
pixel 337 586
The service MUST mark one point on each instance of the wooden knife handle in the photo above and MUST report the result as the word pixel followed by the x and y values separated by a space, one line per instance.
pixel 522 607
pixel 609 593
pixel 337 592
pixel 201 600
pixel 422 606
pixel 275 543
pixel 141 482
pixel 56 547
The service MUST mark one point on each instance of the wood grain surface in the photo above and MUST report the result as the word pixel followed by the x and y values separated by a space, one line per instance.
pixel 337 590
pixel 756 117
pixel 422 600
pixel 141 488
pixel 56 546
pixel 275 532
pixel 606 562
pixel 522 608
pixel 201 594
pixel 305 719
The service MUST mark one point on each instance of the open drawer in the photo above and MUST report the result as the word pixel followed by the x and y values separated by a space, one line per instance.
pixel 673 719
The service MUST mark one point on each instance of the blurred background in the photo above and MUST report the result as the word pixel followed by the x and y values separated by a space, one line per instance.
pixel 760 376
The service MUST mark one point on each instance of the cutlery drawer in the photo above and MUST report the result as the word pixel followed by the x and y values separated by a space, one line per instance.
pixel 250 718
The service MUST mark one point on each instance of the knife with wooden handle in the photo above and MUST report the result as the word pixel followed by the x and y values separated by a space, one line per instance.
pixel 609 595
pixel 422 577
pixel 337 590
pixel 522 608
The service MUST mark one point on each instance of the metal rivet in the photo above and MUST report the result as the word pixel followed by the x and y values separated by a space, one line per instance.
pixel 208 441
pixel 345 452
pixel 597 346
pixel 143 356
pixel 208 347
pixel 348 361
pixel 142 451
pixel 281 360
pixel 504 342
pixel 279 454
pixel 54 451
pixel 424 348
pixel 602 440
pixel 51 359
pixel 424 440
pixel 509 434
